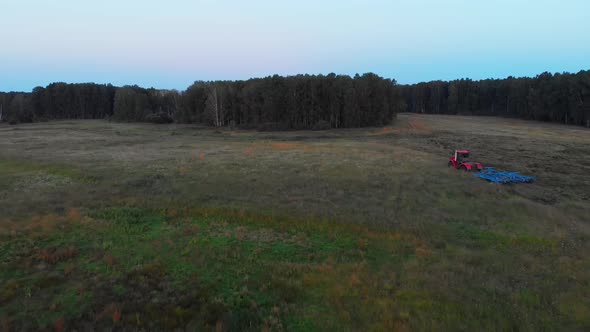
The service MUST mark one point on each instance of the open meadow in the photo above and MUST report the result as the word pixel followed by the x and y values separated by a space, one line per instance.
pixel 178 227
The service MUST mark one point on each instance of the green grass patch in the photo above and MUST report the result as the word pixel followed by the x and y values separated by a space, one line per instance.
pixel 248 271
pixel 256 270
pixel 15 168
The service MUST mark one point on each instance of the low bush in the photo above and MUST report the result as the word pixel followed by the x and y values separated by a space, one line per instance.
pixel 159 117
pixel 272 126
pixel 321 125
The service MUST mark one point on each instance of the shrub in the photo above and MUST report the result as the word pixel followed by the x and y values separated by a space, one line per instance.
pixel 159 117
pixel 321 125
pixel 273 126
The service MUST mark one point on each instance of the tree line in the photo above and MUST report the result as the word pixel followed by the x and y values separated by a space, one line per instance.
pixel 58 101
pixel 307 101
pixel 295 102
pixel 563 98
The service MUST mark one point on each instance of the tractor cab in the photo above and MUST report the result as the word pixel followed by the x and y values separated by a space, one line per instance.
pixel 461 155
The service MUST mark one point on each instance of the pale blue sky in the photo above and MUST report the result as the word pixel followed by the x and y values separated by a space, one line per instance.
pixel 170 44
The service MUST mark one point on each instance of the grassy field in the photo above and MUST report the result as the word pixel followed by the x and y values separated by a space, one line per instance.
pixel 177 227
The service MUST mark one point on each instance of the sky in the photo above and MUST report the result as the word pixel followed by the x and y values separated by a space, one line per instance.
pixel 170 44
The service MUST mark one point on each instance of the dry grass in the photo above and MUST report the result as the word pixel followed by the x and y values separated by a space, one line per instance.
pixel 359 229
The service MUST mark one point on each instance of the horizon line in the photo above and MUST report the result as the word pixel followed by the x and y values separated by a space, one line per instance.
pixel 305 74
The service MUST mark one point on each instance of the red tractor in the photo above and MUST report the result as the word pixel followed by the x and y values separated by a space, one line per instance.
pixel 460 160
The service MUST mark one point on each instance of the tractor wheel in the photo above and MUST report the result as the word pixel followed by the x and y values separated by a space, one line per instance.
pixel 463 168
pixel 450 164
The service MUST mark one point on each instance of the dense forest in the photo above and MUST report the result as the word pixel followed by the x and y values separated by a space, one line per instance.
pixel 563 98
pixel 59 101
pixel 307 101
pixel 273 103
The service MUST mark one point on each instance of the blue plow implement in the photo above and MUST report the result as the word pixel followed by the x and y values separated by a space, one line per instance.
pixel 490 174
